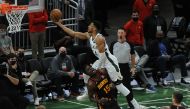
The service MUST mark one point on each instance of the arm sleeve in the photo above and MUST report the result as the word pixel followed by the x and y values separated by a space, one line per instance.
pixel 100 62
pixel 42 19
pixel 102 59
pixel 111 47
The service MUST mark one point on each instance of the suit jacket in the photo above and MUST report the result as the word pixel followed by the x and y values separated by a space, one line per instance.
pixel 154 50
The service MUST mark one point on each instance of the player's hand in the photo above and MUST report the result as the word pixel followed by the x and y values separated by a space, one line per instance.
pixel 59 22
pixel 133 71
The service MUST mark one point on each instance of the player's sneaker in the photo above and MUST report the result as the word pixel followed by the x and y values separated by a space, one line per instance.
pixel 37 101
pixel 83 97
pixel 142 107
pixel 151 89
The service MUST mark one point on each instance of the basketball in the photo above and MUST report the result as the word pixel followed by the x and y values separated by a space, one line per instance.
pixel 55 15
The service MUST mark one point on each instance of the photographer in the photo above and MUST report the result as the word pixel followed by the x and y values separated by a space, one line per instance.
pixel 9 88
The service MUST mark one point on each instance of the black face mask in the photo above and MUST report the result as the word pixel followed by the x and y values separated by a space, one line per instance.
pixel 145 1
pixel 135 19
pixel 12 62
pixel 156 12
pixel 63 54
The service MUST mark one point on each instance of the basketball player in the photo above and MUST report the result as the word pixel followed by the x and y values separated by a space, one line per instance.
pixel 101 90
pixel 105 58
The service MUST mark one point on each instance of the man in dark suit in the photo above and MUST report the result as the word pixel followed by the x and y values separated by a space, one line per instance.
pixel 161 53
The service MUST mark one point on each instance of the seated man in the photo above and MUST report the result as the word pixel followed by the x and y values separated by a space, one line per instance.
pixel 28 76
pixel 161 53
pixel 62 71
pixel 101 90
pixel 20 68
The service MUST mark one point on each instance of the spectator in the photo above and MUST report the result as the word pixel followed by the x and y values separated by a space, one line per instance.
pixel 37 29
pixel 144 7
pixel 28 77
pixel 5 42
pixel 160 52
pixel 14 69
pixel 177 98
pixel 134 30
pixel 154 23
pixel 20 70
pixel 9 86
pixel 63 71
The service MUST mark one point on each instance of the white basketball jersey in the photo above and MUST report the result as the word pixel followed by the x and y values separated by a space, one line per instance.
pixel 94 46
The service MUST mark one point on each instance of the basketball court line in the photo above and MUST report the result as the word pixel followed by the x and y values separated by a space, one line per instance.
pixel 79 103
pixel 185 90
pixel 156 101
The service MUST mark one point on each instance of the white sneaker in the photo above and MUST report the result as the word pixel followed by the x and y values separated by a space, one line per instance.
pixel 143 107
pixel 83 97
pixel 37 101
pixel 29 83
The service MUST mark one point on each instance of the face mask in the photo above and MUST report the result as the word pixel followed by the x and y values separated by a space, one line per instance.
pixel 155 12
pixel 12 62
pixel 135 19
pixel 145 1
pixel 2 33
pixel 63 54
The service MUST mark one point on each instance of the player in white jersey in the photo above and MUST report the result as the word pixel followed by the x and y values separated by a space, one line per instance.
pixel 105 58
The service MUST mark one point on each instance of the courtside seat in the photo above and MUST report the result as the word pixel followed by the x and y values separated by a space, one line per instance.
pixel 82 60
pixel 42 82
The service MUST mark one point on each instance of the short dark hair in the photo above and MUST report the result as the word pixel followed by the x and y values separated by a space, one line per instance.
pixel 121 28
pixel 135 11
pixel 178 97
pixel 3 26
pixel 97 24
pixel 11 55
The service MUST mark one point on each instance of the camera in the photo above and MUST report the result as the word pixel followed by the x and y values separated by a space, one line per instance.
pixel 3 68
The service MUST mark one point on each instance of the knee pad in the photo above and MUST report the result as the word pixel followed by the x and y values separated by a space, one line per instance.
pixel 129 97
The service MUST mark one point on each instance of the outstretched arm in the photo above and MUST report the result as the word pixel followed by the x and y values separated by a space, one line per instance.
pixel 72 33
pixel 100 41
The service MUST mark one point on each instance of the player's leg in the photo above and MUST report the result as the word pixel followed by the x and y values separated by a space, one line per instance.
pixel 115 75
pixel 84 96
